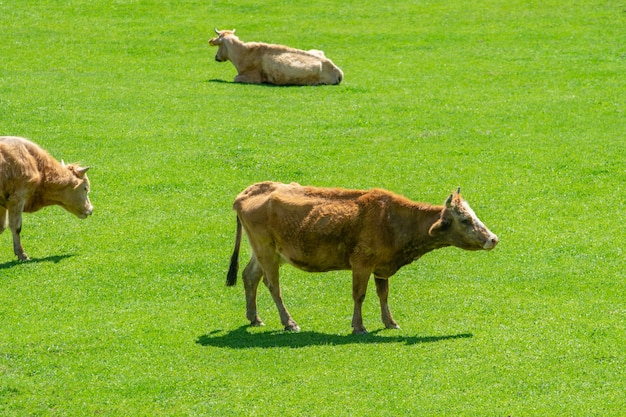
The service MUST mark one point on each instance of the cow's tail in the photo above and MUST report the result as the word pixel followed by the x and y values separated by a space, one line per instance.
pixel 233 271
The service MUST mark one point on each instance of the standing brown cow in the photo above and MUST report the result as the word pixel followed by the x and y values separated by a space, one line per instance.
pixel 324 229
pixel 31 179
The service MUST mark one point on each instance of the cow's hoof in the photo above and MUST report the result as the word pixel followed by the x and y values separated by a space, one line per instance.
pixel 257 323
pixel 359 331
pixel 393 326
pixel 292 327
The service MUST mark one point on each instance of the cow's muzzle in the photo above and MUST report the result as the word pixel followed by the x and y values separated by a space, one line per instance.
pixel 86 213
pixel 491 242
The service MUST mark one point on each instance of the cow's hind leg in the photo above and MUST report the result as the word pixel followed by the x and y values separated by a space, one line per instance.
pixel 252 275
pixel 382 289
pixel 270 270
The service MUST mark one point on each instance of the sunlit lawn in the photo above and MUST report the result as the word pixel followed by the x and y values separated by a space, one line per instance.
pixel 126 313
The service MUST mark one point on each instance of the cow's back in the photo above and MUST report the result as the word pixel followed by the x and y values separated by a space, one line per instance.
pixel 268 199
pixel 281 65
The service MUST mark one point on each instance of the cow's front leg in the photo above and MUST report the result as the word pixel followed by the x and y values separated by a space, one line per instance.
pixel 251 276
pixel 382 289
pixel 248 78
pixel 15 224
pixel 359 288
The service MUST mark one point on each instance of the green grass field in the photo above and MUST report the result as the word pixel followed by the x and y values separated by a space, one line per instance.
pixel 126 313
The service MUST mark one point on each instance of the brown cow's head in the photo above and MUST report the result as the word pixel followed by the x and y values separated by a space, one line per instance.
pixel 459 226
pixel 222 52
pixel 74 197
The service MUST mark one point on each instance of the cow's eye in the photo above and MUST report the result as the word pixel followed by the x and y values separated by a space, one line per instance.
pixel 466 222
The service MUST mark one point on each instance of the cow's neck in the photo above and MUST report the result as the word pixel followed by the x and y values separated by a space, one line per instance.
pixel 410 238
pixel 54 179
pixel 55 176
pixel 420 241
pixel 236 49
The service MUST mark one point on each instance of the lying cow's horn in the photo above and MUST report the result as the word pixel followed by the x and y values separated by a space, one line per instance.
pixel 458 190
pixel 216 31
pixel 449 201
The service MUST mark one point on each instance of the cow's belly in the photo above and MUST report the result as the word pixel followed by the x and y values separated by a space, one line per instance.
pixel 318 259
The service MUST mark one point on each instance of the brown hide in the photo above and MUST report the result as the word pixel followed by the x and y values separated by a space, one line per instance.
pixel 322 229
pixel 31 179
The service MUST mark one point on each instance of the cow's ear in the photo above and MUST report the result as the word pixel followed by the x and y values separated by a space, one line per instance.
pixel 440 225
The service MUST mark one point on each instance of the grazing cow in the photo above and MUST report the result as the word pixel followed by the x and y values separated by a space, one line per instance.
pixel 324 229
pixel 258 63
pixel 31 179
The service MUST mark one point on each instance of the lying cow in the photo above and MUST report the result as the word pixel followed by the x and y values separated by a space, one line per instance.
pixel 324 229
pixel 31 179
pixel 258 63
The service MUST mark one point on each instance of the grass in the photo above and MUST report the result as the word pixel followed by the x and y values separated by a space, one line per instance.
pixel 126 313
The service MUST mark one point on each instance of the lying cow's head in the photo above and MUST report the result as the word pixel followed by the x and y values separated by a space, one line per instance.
pixel 74 196
pixel 459 226
pixel 222 52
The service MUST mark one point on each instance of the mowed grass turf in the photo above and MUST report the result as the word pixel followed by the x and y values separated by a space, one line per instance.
pixel 126 313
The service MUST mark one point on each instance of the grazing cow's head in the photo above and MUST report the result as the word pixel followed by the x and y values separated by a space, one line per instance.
pixel 222 52
pixel 74 197
pixel 459 226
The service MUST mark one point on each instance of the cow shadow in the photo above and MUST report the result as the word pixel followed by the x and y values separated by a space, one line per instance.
pixel 241 338
pixel 54 259
pixel 218 81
